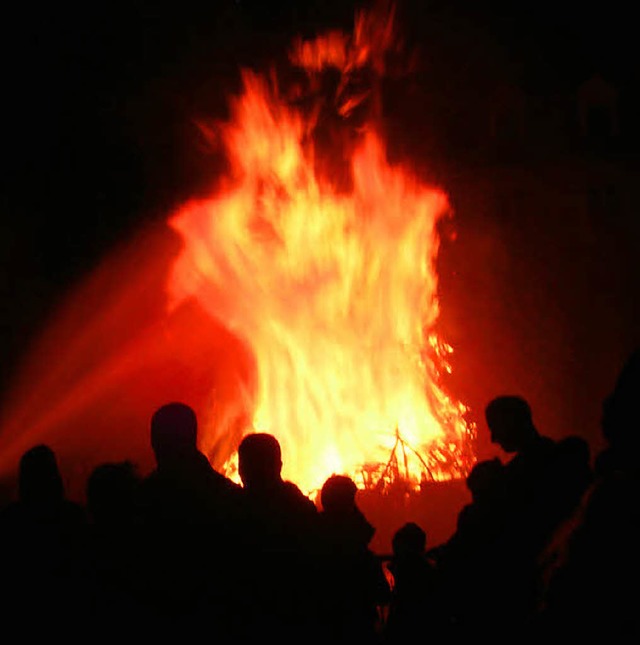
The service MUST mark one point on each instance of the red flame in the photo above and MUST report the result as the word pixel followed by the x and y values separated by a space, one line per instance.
pixel 334 291
pixel 316 267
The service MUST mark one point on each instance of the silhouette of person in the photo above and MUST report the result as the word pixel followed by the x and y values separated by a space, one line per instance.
pixel 550 475
pixel 573 469
pixel 593 592
pixel 532 473
pixel 538 498
pixel 485 484
pixel 479 521
pixel 43 537
pixel 576 474
pixel 278 568
pixel 511 426
pixel 114 542
pixel 356 589
pixel 418 600
pixel 470 559
pixel 187 515
pixel 279 502
pixel 112 495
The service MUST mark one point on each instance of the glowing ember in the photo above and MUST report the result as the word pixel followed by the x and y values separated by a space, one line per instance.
pixel 334 290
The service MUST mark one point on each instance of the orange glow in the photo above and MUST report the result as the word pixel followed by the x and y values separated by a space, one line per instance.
pixel 300 298
pixel 334 291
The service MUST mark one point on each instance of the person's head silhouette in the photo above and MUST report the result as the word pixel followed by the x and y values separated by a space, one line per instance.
pixel 174 433
pixel 39 478
pixel 259 461
pixel 510 422
pixel 409 540
pixel 484 478
pixel 110 491
pixel 338 494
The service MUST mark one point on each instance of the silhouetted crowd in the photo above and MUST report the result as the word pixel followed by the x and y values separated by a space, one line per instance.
pixel 546 549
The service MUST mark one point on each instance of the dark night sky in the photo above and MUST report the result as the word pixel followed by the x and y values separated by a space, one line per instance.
pixel 98 104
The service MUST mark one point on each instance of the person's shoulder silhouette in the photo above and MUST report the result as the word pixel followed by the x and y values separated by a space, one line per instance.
pixel 531 454
pixel 414 574
pixel 620 421
pixel 260 469
pixel 183 482
pixel 343 523
pixel 187 512
pixel 41 492
pixel 43 535
pixel 355 587
pixel 481 518
pixel 276 508
pixel 592 591
pixel 278 566
pixel 510 422
pixel 112 589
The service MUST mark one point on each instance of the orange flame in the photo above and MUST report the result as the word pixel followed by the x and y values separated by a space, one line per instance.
pixel 334 291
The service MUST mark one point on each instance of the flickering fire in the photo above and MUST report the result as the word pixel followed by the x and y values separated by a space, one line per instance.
pixel 334 290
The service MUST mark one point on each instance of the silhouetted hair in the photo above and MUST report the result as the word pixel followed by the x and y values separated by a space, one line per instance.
pixel 409 538
pixel 39 478
pixel 508 408
pixel 259 458
pixel 484 475
pixel 174 428
pixel 111 489
pixel 338 493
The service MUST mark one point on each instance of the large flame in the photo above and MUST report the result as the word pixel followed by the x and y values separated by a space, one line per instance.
pixel 334 290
